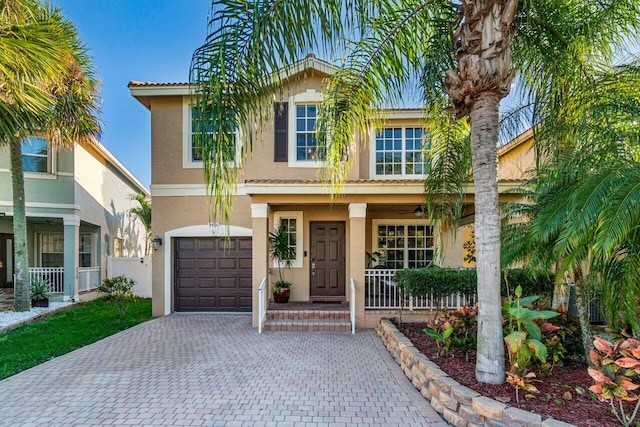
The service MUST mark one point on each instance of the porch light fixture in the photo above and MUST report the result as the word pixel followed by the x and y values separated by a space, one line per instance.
pixel 418 211
pixel 157 242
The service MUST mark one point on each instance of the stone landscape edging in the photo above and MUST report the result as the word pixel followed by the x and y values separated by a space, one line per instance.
pixel 459 405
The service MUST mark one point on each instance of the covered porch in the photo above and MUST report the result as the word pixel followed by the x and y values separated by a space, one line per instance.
pixel 63 251
pixel 390 221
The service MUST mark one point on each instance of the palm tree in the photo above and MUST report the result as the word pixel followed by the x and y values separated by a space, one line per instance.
pixel 143 213
pixel 47 87
pixel 458 53
pixel 586 195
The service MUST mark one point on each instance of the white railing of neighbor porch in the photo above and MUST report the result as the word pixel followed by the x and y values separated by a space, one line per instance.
pixel 88 278
pixel 382 293
pixel 53 275
pixel 352 305
pixel 262 303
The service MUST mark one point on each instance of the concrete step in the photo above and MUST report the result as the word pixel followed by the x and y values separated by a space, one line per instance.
pixel 308 315
pixel 308 325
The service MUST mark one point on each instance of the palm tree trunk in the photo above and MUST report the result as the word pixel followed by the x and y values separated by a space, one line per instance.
pixel 22 301
pixel 484 138
pixel 583 313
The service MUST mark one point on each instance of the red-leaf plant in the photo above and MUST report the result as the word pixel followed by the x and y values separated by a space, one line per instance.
pixel 616 373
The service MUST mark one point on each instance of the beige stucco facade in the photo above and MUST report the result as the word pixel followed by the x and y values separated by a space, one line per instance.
pixel 268 189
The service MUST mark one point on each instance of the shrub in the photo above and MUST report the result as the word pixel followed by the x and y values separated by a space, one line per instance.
pixel 39 289
pixel 119 291
pixel 616 373
pixel 532 283
pixel 441 282
pixel 436 282
pixel 523 339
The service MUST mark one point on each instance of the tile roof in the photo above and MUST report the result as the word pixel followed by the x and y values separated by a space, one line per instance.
pixel 350 181
pixel 135 83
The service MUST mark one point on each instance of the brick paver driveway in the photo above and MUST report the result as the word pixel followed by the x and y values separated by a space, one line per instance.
pixel 195 369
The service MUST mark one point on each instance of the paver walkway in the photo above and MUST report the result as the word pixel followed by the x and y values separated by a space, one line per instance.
pixel 199 369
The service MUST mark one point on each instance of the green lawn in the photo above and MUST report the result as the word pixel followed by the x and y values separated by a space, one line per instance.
pixel 60 333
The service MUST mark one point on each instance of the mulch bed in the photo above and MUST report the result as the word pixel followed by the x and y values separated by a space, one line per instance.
pixel 564 395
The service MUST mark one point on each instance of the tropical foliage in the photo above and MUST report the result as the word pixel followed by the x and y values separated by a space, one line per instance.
pixel 143 213
pixel 47 87
pixel 460 56
pixel 616 373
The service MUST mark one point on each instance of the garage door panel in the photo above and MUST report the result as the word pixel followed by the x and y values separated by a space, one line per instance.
pixel 204 263
pixel 207 282
pixel 213 274
pixel 245 302
pixel 187 282
pixel 205 245
pixel 186 264
pixel 228 263
pixel 228 283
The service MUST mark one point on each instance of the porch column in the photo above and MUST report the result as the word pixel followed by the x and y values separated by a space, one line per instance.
pixel 357 249
pixel 260 253
pixel 71 250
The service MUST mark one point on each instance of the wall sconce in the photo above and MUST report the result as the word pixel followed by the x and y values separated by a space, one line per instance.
pixel 419 211
pixel 157 242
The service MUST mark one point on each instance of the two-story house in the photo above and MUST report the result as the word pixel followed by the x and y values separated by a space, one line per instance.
pixel 77 203
pixel 379 211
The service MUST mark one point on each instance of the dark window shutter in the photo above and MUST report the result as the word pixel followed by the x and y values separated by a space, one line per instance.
pixel 280 140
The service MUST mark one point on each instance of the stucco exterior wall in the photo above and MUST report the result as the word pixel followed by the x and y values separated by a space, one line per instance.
pixel 103 194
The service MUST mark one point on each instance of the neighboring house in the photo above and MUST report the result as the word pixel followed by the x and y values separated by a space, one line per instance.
pixel 379 210
pixel 77 203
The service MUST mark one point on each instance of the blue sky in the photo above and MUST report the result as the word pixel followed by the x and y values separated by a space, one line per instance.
pixel 146 40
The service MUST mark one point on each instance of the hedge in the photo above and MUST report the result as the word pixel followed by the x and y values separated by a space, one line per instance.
pixel 439 282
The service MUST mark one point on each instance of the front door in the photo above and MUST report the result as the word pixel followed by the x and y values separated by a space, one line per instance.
pixel 6 260
pixel 327 259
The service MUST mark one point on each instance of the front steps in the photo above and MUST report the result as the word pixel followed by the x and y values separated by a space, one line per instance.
pixel 310 317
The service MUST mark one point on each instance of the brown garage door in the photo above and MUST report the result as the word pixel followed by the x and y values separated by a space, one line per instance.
pixel 212 274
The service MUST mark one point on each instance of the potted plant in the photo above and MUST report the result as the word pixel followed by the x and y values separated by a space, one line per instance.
pixel 40 290
pixel 283 254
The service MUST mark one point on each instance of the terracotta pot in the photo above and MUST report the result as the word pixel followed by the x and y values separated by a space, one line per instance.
pixel 281 296
pixel 40 303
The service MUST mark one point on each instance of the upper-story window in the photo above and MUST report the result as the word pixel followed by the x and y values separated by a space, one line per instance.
pixel 306 143
pixel 195 133
pixel 398 152
pixel 35 155
pixel 303 150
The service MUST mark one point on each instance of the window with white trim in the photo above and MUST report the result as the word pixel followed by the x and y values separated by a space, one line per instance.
pixel 398 152
pixel 87 251
pixel 306 142
pixel 194 133
pixel 52 250
pixel 403 245
pixel 35 154
pixel 303 150
pixel 292 223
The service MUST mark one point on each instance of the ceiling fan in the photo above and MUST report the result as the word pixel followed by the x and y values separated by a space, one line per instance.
pixel 420 211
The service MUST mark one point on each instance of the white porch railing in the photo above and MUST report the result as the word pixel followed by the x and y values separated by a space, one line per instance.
pixel 88 278
pixel 262 303
pixel 352 304
pixel 382 293
pixel 53 275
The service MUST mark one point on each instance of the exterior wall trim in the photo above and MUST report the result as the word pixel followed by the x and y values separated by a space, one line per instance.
pixel 9 204
pixel 412 187
pixel 174 190
pixel 203 230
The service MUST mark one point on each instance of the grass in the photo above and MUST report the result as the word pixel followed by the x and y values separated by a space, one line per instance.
pixel 65 331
